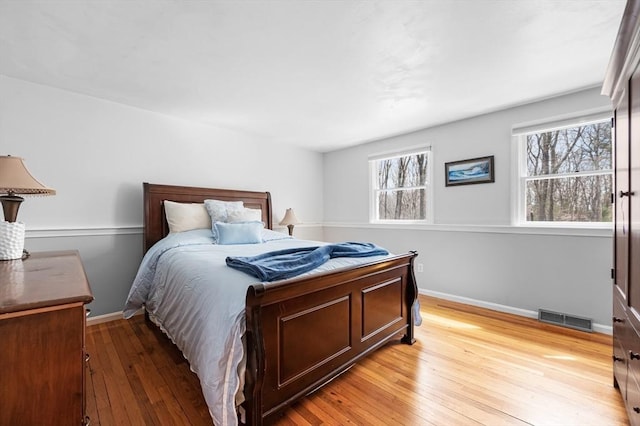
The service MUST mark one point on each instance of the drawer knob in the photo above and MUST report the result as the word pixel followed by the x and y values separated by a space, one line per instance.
pixel 636 409
pixel 617 359
pixel 616 319
pixel 87 357
pixel 634 355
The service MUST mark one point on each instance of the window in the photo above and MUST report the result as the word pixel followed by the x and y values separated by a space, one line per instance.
pixel 565 174
pixel 401 184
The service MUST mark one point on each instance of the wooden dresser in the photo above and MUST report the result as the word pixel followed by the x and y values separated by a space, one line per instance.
pixel 42 329
pixel 622 85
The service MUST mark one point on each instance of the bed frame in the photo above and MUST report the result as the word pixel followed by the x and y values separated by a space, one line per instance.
pixel 303 332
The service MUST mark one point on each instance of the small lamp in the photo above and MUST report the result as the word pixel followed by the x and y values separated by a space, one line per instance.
pixel 15 179
pixel 290 220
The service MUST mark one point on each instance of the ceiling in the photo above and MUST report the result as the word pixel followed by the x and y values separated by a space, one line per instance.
pixel 318 74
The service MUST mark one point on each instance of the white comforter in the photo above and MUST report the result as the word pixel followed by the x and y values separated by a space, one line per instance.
pixel 199 302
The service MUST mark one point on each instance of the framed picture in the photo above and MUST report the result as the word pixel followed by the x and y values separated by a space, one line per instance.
pixel 467 172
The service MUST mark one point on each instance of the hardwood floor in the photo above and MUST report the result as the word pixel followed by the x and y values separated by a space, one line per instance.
pixel 470 366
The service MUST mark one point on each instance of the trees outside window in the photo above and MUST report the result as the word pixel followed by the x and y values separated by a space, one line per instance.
pixel 566 174
pixel 400 187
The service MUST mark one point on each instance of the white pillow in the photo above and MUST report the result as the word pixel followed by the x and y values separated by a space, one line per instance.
pixel 219 210
pixel 244 215
pixel 186 216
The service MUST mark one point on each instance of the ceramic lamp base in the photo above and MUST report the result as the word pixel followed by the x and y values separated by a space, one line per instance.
pixel 11 240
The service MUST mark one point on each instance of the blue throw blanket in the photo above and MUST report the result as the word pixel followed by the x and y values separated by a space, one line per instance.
pixel 287 263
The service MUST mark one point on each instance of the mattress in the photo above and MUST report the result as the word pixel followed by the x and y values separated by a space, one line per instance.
pixel 188 290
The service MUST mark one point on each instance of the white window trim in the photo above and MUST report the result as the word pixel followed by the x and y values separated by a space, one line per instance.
pixel 373 208
pixel 519 164
pixel 562 122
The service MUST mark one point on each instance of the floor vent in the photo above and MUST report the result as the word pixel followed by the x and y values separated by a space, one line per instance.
pixel 565 320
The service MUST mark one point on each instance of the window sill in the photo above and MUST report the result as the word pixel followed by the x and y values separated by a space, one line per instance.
pixel 490 229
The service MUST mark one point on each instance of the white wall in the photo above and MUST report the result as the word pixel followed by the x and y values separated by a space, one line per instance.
pixel 96 154
pixel 472 251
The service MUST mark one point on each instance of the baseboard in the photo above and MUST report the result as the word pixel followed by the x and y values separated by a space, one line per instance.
pixel 109 317
pixel 598 328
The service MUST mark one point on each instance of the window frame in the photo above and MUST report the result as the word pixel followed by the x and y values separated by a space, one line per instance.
pixel 373 185
pixel 519 135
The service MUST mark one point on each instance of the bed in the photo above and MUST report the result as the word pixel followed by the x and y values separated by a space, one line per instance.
pixel 296 334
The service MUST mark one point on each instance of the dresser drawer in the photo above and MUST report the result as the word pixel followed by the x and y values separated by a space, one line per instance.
pixel 620 362
pixel 633 400
pixel 621 329
pixel 44 368
pixel 631 344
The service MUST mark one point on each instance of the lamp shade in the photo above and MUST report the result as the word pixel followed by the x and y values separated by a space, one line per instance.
pixel 289 218
pixel 16 179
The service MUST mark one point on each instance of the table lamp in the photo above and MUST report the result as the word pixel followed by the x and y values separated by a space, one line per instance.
pixel 290 220
pixel 15 179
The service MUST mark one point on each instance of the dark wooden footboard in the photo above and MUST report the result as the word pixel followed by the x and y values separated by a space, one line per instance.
pixel 303 332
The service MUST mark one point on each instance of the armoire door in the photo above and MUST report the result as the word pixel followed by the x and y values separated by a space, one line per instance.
pixel 621 179
pixel 629 197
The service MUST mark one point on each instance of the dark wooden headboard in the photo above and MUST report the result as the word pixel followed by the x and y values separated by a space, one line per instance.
pixel 155 222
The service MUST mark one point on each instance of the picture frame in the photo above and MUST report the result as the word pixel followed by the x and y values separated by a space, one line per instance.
pixel 471 171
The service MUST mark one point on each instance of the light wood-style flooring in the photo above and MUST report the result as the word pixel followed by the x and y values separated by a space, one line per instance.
pixel 470 366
